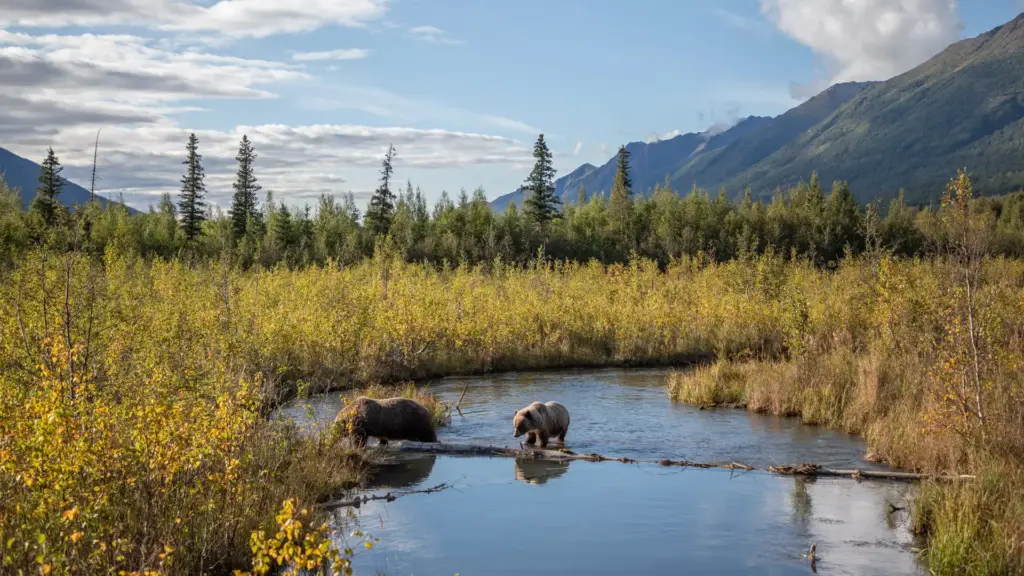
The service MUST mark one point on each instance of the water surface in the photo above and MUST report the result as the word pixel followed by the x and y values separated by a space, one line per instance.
pixel 510 516
pixel 627 413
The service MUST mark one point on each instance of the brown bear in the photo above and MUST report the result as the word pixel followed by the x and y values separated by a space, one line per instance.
pixel 540 421
pixel 388 419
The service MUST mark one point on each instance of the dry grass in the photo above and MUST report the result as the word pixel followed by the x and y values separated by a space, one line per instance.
pixel 975 527
pixel 722 384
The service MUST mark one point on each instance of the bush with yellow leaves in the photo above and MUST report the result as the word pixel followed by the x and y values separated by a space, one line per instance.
pixel 299 548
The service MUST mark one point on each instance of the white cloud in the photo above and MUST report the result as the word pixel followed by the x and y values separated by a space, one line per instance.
pixel 57 81
pixel 433 35
pixel 343 54
pixel 579 146
pixel 89 69
pixel 261 18
pixel 867 39
pixel 297 162
pixel 233 18
pixel 59 89
pixel 59 13
pixel 663 136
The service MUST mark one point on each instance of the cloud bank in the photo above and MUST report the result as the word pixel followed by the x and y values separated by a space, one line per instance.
pixel 59 89
pixel 866 39
pixel 235 18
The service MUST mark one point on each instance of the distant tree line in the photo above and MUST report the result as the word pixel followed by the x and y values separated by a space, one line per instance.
pixel 804 221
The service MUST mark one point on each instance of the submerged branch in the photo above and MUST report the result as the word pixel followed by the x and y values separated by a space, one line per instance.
pixel 565 455
pixel 360 500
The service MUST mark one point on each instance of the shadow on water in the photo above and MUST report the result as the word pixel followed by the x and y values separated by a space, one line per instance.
pixel 533 471
pixel 405 472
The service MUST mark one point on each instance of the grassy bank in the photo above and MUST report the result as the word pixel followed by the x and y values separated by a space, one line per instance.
pixel 902 369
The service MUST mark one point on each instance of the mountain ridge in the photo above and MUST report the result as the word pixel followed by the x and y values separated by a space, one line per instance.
pixel 962 107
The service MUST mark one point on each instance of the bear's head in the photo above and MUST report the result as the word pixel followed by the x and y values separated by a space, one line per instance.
pixel 521 422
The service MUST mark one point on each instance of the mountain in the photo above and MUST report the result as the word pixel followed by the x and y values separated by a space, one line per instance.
pixel 651 163
pixel 22 174
pixel 711 170
pixel 704 158
pixel 962 108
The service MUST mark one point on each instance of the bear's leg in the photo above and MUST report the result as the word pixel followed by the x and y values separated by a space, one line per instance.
pixel 531 437
pixel 561 437
pixel 542 439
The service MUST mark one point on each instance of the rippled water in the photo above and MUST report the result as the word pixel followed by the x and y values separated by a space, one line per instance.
pixel 507 516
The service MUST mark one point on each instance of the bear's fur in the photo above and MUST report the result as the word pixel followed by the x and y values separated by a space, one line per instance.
pixel 540 421
pixel 388 419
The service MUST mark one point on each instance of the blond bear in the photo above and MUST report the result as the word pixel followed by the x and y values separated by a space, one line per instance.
pixel 541 421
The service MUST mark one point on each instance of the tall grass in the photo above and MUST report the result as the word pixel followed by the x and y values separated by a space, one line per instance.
pixel 898 370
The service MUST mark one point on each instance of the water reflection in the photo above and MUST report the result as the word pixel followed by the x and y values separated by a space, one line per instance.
pixel 801 499
pixel 534 471
pixel 404 472
pixel 608 518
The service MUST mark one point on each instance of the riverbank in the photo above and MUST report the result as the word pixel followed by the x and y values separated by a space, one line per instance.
pixel 974 527
pixel 133 393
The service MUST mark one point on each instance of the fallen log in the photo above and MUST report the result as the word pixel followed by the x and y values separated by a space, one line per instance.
pixel 360 500
pixel 805 469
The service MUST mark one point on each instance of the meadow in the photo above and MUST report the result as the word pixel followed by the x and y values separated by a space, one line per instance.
pixel 134 390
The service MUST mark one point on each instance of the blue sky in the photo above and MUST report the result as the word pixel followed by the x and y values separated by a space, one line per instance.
pixel 462 87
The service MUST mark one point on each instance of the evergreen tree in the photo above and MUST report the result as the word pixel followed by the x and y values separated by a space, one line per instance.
pixel 623 183
pixel 382 204
pixel 281 227
pixel 541 202
pixel 244 205
pixel 621 201
pixel 51 183
pixel 193 191
pixel 349 208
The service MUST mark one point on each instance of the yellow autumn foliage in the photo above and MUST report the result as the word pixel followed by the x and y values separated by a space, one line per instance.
pixel 134 394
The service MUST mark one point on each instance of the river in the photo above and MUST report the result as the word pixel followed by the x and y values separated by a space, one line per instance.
pixel 507 516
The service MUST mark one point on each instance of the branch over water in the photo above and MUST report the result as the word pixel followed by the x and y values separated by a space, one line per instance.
pixel 804 469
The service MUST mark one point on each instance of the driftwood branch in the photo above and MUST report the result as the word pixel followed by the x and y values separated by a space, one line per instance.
pixel 360 500
pixel 566 455
pixel 459 403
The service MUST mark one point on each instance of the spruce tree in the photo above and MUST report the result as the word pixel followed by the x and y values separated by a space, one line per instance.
pixel 193 191
pixel 623 183
pixel 621 202
pixel 541 202
pixel 50 185
pixel 244 205
pixel 382 204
